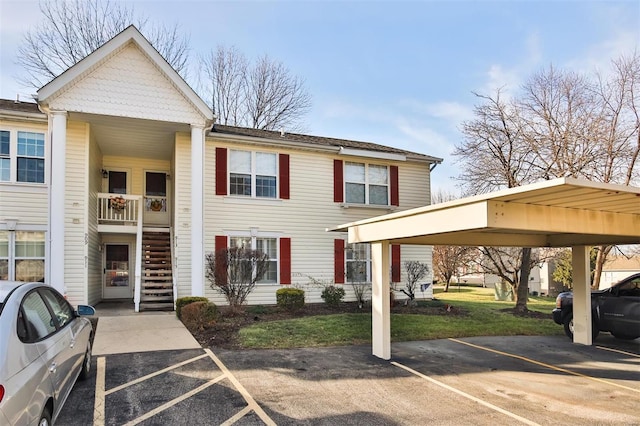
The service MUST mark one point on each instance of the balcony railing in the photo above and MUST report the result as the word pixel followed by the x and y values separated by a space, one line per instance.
pixel 111 211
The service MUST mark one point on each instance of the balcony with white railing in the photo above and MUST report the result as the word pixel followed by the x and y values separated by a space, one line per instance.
pixel 119 212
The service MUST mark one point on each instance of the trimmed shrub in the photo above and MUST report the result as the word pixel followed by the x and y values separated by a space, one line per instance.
pixel 290 299
pixel 199 315
pixel 184 301
pixel 332 295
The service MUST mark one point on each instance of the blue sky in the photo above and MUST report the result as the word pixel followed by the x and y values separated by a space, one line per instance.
pixel 395 73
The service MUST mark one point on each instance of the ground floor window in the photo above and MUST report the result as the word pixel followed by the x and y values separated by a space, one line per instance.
pixel 358 263
pixel 22 255
pixel 265 245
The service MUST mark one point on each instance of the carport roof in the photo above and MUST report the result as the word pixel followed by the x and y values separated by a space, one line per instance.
pixel 556 213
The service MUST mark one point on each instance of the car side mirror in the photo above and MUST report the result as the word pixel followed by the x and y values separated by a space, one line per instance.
pixel 86 310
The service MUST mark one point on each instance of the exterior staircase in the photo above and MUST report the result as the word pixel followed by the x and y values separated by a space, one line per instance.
pixel 156 284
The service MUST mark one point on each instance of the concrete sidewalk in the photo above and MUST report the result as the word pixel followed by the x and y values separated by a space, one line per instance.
pixel 141 332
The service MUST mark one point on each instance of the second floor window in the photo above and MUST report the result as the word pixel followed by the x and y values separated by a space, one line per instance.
pixel 30 157
pixel 366 184
pixel 253 174
pixel 22 156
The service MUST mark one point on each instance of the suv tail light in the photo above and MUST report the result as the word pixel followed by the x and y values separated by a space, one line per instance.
pixel 558 302
pixel 1 392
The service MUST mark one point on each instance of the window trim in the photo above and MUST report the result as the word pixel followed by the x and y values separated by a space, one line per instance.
pixel 12 258
pixel 253 174
pixel 13 155
pixel 254 235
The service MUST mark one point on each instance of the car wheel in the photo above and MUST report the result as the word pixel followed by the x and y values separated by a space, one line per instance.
pixel 86 363
pixel 624 336
pixel 568 327
pixel 45 418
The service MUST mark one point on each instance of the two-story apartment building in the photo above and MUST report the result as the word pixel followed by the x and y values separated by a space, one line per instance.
pixel 117 183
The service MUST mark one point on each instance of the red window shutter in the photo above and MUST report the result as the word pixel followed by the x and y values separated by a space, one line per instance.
pixel 221 258
pixel 338 181
pixel 339 262
pixel 285 260
pixel 284 176
pixel 395 263
pixel 395 197
pixel 221 171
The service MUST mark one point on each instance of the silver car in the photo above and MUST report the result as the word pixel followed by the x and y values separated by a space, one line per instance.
pixel 44 347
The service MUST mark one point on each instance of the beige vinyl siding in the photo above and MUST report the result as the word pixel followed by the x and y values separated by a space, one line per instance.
pixel 95 265
pixel 304 217
pixel 182 225
pixel 75 223
pixel 26 202
pixel 135 168
pixel 128 84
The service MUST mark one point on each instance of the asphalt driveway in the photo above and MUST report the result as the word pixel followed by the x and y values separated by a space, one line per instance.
pixel 479 381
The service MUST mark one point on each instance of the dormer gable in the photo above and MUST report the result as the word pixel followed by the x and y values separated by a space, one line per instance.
pixel 126 77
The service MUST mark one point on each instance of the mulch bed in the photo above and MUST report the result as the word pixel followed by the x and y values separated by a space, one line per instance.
pixel 224 334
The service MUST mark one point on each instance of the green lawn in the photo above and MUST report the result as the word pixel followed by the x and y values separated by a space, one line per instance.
pixel 483 317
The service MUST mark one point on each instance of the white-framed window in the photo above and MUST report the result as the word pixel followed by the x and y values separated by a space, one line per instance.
pixel 358 262
pixel 268 245
pixel 366 184
pixel 22 156
pixel 22 255
pixel 5 156
pixel 253 174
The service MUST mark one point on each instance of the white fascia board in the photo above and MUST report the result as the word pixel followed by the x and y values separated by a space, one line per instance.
pixel 372 154
pixel 130 34
pixel 23 116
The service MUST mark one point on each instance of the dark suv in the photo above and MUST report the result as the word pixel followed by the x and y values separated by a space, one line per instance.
pixel 616 310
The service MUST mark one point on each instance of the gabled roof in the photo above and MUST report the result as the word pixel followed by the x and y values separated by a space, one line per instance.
pixel 128 35
pixel 19 106
pixel 270 136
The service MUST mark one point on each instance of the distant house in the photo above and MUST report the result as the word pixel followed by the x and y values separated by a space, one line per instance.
pixel 617 268
pixel 117 183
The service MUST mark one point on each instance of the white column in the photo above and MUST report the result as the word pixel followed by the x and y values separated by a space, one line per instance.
pixel 581 295
pixel 380 303
pixel 57 198
pixel 197 211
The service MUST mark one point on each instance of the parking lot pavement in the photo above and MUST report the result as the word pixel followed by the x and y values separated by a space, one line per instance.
pixel 161 388
pixel 480 381
pixel 470 381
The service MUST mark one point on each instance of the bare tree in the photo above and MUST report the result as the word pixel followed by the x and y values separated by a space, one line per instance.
pixel 448 259
pixel 235 271
pixel 264 95
pixel 415 272
pixel 561 124
pixel 72 29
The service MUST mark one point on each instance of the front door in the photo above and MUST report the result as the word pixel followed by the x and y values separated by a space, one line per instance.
pixel 156 199
pixel 116 272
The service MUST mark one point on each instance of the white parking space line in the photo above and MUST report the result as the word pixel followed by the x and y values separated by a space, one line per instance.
pixel 101 392
pixel 466 395
pixel 240 414
pixel 157 373
pixel 631 354
pixel 542 364
pixel 252 403
pixel 174 402
pixel 98 404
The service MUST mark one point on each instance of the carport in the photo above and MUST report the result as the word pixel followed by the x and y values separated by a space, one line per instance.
pixel 563 212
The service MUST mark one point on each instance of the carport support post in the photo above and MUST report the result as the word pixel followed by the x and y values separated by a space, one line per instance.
pixel 380 301
pixel 581 295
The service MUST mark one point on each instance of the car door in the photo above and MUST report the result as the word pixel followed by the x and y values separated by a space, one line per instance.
pixel 69 358
pixel 38 379
pixel 620 308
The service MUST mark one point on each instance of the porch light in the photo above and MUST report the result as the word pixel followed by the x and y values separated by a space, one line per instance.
pixel 105 173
